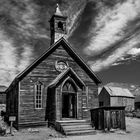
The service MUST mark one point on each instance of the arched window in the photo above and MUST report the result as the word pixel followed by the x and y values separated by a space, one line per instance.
pixel 60 25
pixel 69 87
pixel 69 99
pixel 38 95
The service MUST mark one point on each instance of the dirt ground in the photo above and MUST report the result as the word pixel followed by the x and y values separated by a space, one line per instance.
pixel 132 133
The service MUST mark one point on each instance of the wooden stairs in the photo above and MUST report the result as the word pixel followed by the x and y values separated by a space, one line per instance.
pixel 75 127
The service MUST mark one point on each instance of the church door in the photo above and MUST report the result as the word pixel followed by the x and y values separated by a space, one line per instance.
pixel 69 100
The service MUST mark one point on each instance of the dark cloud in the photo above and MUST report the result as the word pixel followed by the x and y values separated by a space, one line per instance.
pixel 100 31
pixel 25 31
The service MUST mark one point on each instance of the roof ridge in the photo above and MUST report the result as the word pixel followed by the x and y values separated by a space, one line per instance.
pixel 58 77
pixel 39 57
pixel 46 53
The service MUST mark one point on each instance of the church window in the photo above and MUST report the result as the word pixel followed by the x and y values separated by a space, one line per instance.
pixel 101 104
pixel 69 87
pixel 60 25
pixel 38 95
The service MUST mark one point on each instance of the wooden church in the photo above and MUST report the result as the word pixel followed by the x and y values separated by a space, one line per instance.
pixel 58 88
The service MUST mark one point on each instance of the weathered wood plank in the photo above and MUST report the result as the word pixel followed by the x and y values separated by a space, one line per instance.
pixel 46 73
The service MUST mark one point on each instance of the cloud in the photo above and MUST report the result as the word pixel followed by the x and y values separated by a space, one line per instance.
pixel 73 11
pixel 110 25
pixel 10 61
pixel 23 24
pixel 114 34
pixel 7 59
pixel 26 57
pixel 73 23
pixel 117 56
pixel 28 21
pixel 134 52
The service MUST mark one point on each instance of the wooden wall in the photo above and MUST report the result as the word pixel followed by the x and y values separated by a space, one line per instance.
pixel 12 103
pixel 59 103
pixel 105 118
pixel 51 106
pixel 2 98
pixel 137 106
pixel 45 72
pixel 108 100
pixel 104 97
pixel 123 101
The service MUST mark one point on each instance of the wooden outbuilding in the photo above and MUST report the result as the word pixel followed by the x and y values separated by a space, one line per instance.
pixel 137 102
pixel 116 96
pixel 106 118
pixel 2 94
pixel 57 86
pixel 2 98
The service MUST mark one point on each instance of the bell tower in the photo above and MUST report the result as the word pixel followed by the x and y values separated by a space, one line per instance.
pixel 57 26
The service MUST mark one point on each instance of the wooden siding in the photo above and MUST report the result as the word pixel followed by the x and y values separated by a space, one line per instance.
pixel 104 97
pixel 59 103
pixel 45 72
pixel 105 118
pixel 2 98
pixel 12 104
pixel 137 106
pixel 108 100
pixel 123 101
pixel 51 106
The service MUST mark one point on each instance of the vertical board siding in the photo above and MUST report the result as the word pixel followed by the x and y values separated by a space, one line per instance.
pixel 123 101
pixel 105 98
pixel 105 118
pixel 108 100
pixel 12 104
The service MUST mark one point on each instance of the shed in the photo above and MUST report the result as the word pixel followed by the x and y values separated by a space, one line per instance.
pixel 108 117
pixel 2 98
pixel 116 96
pixel 2 94
pixel 137 102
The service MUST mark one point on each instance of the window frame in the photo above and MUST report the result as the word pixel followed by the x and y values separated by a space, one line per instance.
pixel 60 25
pixel 101 103
pixel 69 85
pixel 38 98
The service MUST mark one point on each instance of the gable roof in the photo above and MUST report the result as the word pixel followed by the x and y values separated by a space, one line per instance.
pixel 69 50
pixel 99 90
pixel 2 88
pixel 52 48
pixel 69 71
pixel 117 91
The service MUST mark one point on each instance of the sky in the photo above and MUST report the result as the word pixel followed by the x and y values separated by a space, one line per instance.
pixel 105 33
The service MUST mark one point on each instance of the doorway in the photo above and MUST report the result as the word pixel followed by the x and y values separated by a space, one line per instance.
pixel 69 100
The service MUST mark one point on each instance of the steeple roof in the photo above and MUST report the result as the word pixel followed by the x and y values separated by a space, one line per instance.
pixel 58 12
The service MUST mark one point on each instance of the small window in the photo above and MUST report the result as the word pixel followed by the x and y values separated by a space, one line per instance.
pixel 101 104
pixel 60 25
pixel 38 95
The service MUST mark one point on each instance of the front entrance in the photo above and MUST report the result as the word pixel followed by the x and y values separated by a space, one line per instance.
pixel 69 100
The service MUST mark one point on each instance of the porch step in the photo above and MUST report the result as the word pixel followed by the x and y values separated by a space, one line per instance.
pixel 76 127
pixel 74 122
pixel 72 127
pixel 82 132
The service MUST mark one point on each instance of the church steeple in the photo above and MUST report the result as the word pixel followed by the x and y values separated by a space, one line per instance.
pixel 58 12
pixel 57 25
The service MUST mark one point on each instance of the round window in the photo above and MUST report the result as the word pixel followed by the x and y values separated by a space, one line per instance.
pixel 61 65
